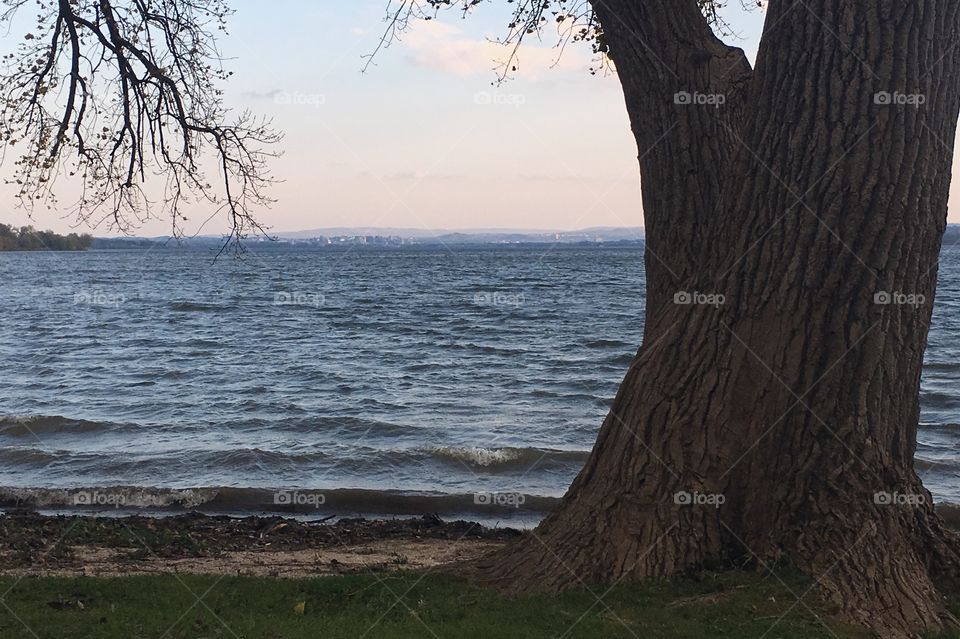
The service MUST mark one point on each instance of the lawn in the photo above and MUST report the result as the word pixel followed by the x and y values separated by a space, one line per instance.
pixel 731 604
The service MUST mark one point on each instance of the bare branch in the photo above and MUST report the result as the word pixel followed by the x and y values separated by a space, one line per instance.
pixel 116 92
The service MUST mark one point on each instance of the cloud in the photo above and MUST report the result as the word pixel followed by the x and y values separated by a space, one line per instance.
pixel 443 47
pixel 262 95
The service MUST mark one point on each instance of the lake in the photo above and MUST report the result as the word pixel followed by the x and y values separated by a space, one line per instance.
pixel 373 381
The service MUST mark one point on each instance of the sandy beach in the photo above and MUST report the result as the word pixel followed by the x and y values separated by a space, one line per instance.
pixel 44 545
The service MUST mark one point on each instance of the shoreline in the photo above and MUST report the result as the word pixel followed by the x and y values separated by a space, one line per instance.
pixel 493 509
pixel 34 544
pixel 77 544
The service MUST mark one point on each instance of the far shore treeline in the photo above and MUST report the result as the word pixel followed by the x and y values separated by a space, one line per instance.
pixel 27 238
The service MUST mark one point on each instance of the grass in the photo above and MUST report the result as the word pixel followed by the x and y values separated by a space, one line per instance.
pixel 732 604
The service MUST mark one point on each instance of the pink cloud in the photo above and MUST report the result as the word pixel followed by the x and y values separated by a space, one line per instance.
pixel 436 45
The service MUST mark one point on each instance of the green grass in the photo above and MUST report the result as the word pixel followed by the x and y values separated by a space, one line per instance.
pixel 737 605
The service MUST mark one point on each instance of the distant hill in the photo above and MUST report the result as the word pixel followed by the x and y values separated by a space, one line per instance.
pixel 397 237
pixel 383 237
pixel 411 233
pixel 473 236
pixel 139 242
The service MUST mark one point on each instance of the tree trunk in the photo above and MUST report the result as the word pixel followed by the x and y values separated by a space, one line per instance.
pixel 772 410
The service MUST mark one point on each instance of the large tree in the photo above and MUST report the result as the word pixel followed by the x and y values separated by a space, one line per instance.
pixel 794 214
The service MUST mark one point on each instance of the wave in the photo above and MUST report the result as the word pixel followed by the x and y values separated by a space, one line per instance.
pixel 36 425
pixel 936 399
pixel 196 306
pixel 506 458
pixel 481 348
pixel 339 501
pixel 128 496
pixel 948 367
pixel 928 425
pixel 579 397
pixel 335 425
pixel 349 460
pixel 18 457
pixel 607 343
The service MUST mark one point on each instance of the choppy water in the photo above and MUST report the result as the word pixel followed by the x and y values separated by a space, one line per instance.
pixel 381 381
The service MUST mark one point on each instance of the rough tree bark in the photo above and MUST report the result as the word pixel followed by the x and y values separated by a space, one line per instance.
pixel 800 199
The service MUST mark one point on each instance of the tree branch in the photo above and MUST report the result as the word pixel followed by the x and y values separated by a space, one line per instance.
pixel 118 91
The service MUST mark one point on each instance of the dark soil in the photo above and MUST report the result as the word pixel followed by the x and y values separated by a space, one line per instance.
pixel 31 539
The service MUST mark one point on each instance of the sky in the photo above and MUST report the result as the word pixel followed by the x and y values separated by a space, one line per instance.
pixel 424 139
